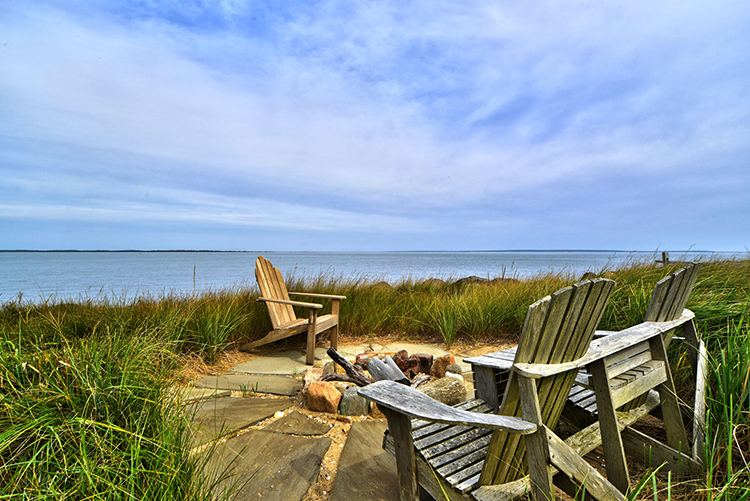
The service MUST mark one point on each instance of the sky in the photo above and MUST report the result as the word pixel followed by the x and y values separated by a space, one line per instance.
pixel 374 126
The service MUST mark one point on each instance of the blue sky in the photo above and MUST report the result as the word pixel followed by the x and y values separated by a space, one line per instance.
pixel 329 125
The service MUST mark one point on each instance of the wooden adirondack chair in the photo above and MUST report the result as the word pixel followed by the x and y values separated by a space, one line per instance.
pixel 488 460
pixel 284 320
pixel 667 305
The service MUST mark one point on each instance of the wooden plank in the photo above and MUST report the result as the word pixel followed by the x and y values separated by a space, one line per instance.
pixel 590 437
pixel 638 386
pixel 573 465
pixel 450 444
pixel 686 288
pixel 495 468
pixel 690 285
pixel 653 453
pixel 624 354
pixel 657 299
pixel 699 410
pixel 637 363
pixel 692 341
pixel 536 443
pixel 485 386
pixel 673 296
pixel 614 454
pixel 506 492
pixel 312 294
pixel 399 425
pixel 670 408
pixel 458 459
pixel 414 403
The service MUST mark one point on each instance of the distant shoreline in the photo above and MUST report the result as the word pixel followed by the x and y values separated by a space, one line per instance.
pixel 365 252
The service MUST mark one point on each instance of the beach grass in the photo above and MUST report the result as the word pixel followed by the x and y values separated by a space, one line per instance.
pixel 85 403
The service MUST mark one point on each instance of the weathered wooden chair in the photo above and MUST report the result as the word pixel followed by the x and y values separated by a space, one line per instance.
pixel 281 310
pixel 632 372
pixel 667 305
pixel 455 453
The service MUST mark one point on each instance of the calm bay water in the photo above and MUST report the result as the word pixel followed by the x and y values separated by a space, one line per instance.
pixel 63 276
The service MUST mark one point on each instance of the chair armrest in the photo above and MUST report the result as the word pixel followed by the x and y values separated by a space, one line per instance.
pixel 324 296
pixel 413 403
pixel 610 343
pixel 293 303
pixel 536 371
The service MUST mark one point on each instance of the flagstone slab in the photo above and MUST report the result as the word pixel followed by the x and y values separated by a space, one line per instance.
pixel 194 394
pixel 288 362
pixel 296 423
pixel 365 470
pixel 261 383
pixel 215 417
pixel 268 466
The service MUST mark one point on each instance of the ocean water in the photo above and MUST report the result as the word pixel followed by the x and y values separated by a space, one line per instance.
pixel 116 276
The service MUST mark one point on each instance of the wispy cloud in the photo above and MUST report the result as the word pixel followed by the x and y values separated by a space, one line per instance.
pixel 430 118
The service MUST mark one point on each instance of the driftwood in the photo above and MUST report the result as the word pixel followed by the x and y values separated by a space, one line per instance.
pixel 388 370
pixel 353 373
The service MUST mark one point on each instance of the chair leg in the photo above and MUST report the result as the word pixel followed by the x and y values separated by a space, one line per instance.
pixel 312 325
pixel 670 407
pixel 614 452
pixel 537 448
pixel 335 329
pixel 399 425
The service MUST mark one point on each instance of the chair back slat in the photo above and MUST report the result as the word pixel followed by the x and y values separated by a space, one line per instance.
pixel 272 286
pixel 558 329
pixel 671 294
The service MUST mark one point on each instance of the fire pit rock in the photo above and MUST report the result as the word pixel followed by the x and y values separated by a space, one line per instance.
pixel 448 390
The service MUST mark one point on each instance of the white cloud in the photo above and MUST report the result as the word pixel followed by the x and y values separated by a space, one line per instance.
pixel 409 113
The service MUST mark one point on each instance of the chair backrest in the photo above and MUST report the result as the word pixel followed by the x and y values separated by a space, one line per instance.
pixel 558 329
pixel 671 294
pixel 272 286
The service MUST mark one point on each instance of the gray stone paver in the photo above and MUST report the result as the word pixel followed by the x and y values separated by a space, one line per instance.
pixel 261 383
pixel 213 418
pixel 366 471
pixel 269 466
pixel 195 394
pixel 288 362
pixel 296 423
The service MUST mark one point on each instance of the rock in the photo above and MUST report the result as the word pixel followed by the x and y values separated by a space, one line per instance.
pixel 503 280
pixel 409 366
pixel 454 368
pixel 312 375
pixel 468 280
pixel 352 404
pixel 323 397
pixel 434 283
pixel 341 386
pixel 588 275
pixel 414 364
pixel 382 285
pixel 448 390
pixel 425 362
pixel 440 364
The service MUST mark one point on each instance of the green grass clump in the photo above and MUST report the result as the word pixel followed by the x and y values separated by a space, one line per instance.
pixel 92 417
